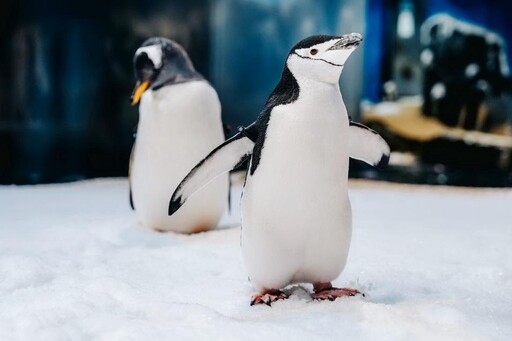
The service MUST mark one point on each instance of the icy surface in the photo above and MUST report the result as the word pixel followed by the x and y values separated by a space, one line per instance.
pixel 435 264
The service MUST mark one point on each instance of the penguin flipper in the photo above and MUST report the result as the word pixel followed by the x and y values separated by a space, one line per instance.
pixel 368 146
pixel 131 200
pixel 130 177
pixel 224 158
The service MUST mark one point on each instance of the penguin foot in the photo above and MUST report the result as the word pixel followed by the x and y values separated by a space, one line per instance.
pixel 325 291
pixel 268 297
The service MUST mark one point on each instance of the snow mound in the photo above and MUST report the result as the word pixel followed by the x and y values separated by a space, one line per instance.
pixel 435 264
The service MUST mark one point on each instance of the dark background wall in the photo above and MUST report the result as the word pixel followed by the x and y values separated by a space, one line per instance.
pixel 66 73
pixel 251 39
pixel 66 79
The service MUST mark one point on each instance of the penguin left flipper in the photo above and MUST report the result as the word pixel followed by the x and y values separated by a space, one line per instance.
pixel 368 146
pixel 224 158
pixel 130 177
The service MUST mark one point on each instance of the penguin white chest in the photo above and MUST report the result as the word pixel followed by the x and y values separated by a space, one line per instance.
pixel 178 126
pixel 296 217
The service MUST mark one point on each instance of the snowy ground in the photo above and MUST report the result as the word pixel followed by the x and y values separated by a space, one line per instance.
pixel 435 264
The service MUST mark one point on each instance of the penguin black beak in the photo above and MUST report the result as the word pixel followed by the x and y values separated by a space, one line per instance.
pixel 348 41
pixel 140 87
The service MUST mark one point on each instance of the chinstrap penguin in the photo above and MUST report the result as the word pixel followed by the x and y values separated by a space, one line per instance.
pixel 179 122
pixel 296 214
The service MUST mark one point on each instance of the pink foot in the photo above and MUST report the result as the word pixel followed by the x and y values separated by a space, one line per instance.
pixel 268 297
pixel 325 291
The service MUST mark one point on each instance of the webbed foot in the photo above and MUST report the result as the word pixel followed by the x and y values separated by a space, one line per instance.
pixel 325 291
pixel 268 297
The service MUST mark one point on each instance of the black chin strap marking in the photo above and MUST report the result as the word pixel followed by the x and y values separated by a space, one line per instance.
pixel 323 60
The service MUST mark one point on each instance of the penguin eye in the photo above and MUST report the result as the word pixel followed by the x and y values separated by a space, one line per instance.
pixel 313 52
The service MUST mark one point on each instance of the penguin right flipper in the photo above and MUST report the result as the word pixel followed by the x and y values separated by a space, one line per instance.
pixel 224 158
pixel 368 146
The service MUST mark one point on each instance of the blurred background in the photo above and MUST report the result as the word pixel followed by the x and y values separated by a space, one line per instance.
pixel 432 77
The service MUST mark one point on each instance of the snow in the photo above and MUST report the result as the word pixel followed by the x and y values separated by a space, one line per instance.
pixel 435 264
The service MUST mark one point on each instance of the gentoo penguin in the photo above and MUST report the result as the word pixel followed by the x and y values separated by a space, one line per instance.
pixel 296 215
pixel 179 122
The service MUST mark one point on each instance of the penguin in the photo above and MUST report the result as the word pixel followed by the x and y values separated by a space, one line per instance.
pixel 295 209
pixel 179 122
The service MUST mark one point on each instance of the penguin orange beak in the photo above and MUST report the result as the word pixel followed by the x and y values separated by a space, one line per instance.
pixel 138 91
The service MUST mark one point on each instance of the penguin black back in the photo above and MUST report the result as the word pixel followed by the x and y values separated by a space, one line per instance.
pixel 286 92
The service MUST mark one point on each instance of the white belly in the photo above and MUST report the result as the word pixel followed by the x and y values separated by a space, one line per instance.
pixel 296 216
pixel 178 126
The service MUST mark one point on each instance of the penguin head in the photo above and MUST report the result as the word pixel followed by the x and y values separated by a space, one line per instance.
pixel 158 62
pixel 322 57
